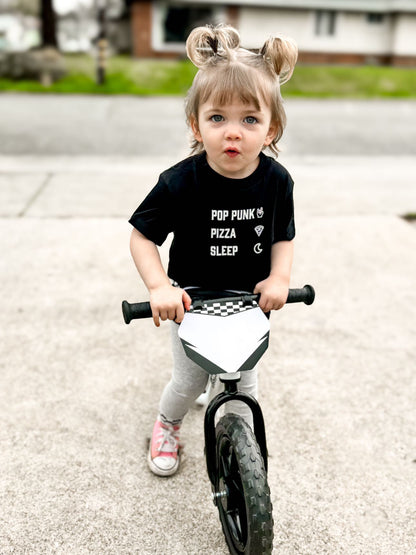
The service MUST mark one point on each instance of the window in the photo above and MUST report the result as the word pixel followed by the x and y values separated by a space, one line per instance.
pixel 325 23
pixel 180 20
pixel 375 18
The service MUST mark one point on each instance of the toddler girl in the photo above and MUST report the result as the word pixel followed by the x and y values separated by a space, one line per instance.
pixel 229 206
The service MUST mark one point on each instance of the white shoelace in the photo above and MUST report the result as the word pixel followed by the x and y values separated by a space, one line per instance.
pixel 167 442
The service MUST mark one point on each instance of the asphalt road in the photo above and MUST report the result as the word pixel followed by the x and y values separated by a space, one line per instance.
pixel 79 388
pixel 128 126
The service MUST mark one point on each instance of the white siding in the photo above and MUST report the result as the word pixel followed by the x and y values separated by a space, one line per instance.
pixel 356 35
pixel 404 37
pixel 256 24
pixel 353 33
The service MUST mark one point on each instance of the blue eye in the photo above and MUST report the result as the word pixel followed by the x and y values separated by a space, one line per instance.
pixel 216 118
pixel 250 120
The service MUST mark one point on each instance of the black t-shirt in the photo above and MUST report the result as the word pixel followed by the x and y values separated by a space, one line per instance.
pixel 223 229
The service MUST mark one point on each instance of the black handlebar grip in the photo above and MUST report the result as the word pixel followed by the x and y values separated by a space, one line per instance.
pixel 305 295
pixel 134 311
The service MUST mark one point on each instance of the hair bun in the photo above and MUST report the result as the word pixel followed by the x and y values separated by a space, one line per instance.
pixel 204 43
pixel 281 53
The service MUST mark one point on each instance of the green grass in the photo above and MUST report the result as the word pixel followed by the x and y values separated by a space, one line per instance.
pixel 352 82
pixel 123 76
pixel 126 75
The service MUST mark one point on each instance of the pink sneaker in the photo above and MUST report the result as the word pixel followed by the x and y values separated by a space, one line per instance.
pixel 163 457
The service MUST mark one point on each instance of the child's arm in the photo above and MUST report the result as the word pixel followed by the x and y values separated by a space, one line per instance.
pixel 167 302
pixel 275 289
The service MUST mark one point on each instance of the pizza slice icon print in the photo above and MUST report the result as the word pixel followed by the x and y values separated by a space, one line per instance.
pixel 259 229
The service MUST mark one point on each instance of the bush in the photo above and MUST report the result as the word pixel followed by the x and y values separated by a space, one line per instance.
pixel 44 65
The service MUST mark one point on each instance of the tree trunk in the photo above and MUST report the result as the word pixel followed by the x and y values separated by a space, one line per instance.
pixel 47 15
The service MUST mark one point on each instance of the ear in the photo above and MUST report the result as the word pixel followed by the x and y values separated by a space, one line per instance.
pixel 272 133
pixel 195 129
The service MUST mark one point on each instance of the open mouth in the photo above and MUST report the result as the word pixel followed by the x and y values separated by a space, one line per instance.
pixel 232 152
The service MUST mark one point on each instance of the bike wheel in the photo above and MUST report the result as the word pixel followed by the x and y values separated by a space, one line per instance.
pixel 242 494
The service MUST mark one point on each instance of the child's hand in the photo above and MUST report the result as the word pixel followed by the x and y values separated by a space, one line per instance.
pixel 169 303
pixel 273 293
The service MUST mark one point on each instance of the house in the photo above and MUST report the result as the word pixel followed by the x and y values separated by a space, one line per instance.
pixel 327 31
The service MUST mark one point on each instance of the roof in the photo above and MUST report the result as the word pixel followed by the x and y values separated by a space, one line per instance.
pixel 380 6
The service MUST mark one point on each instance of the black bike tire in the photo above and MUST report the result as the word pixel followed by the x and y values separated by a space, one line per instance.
pixel 244 490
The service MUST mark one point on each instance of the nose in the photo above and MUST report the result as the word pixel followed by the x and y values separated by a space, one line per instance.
pixel 233 132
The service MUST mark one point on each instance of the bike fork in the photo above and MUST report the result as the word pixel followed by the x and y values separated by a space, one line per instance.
pixel 231 393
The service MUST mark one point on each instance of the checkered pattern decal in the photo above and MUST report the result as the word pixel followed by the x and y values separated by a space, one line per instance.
pixel 222 307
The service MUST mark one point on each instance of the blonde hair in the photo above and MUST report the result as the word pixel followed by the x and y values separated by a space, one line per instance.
pixel 227 70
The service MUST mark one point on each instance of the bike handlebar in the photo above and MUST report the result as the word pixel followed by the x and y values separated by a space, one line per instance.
pixel 304 295
pixel 135 311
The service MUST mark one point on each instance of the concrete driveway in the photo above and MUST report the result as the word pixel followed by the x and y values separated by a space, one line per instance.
pixel 79 389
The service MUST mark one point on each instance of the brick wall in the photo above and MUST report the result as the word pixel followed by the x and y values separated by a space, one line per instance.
pixel 355 59
pixel 141 26
pixel 341 58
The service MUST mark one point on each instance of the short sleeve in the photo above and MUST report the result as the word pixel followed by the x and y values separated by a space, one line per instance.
pixel 153 218
pixel 284 216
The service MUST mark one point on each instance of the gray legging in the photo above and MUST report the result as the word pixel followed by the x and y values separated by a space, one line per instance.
pixel 189 380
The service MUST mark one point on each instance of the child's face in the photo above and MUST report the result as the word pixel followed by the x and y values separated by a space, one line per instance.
pixel 233 136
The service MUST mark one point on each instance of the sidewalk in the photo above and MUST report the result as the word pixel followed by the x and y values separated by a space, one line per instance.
pixel 79 389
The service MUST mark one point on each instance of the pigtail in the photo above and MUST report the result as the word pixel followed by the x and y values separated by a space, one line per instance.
pixel 206 43
pixel 281 53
